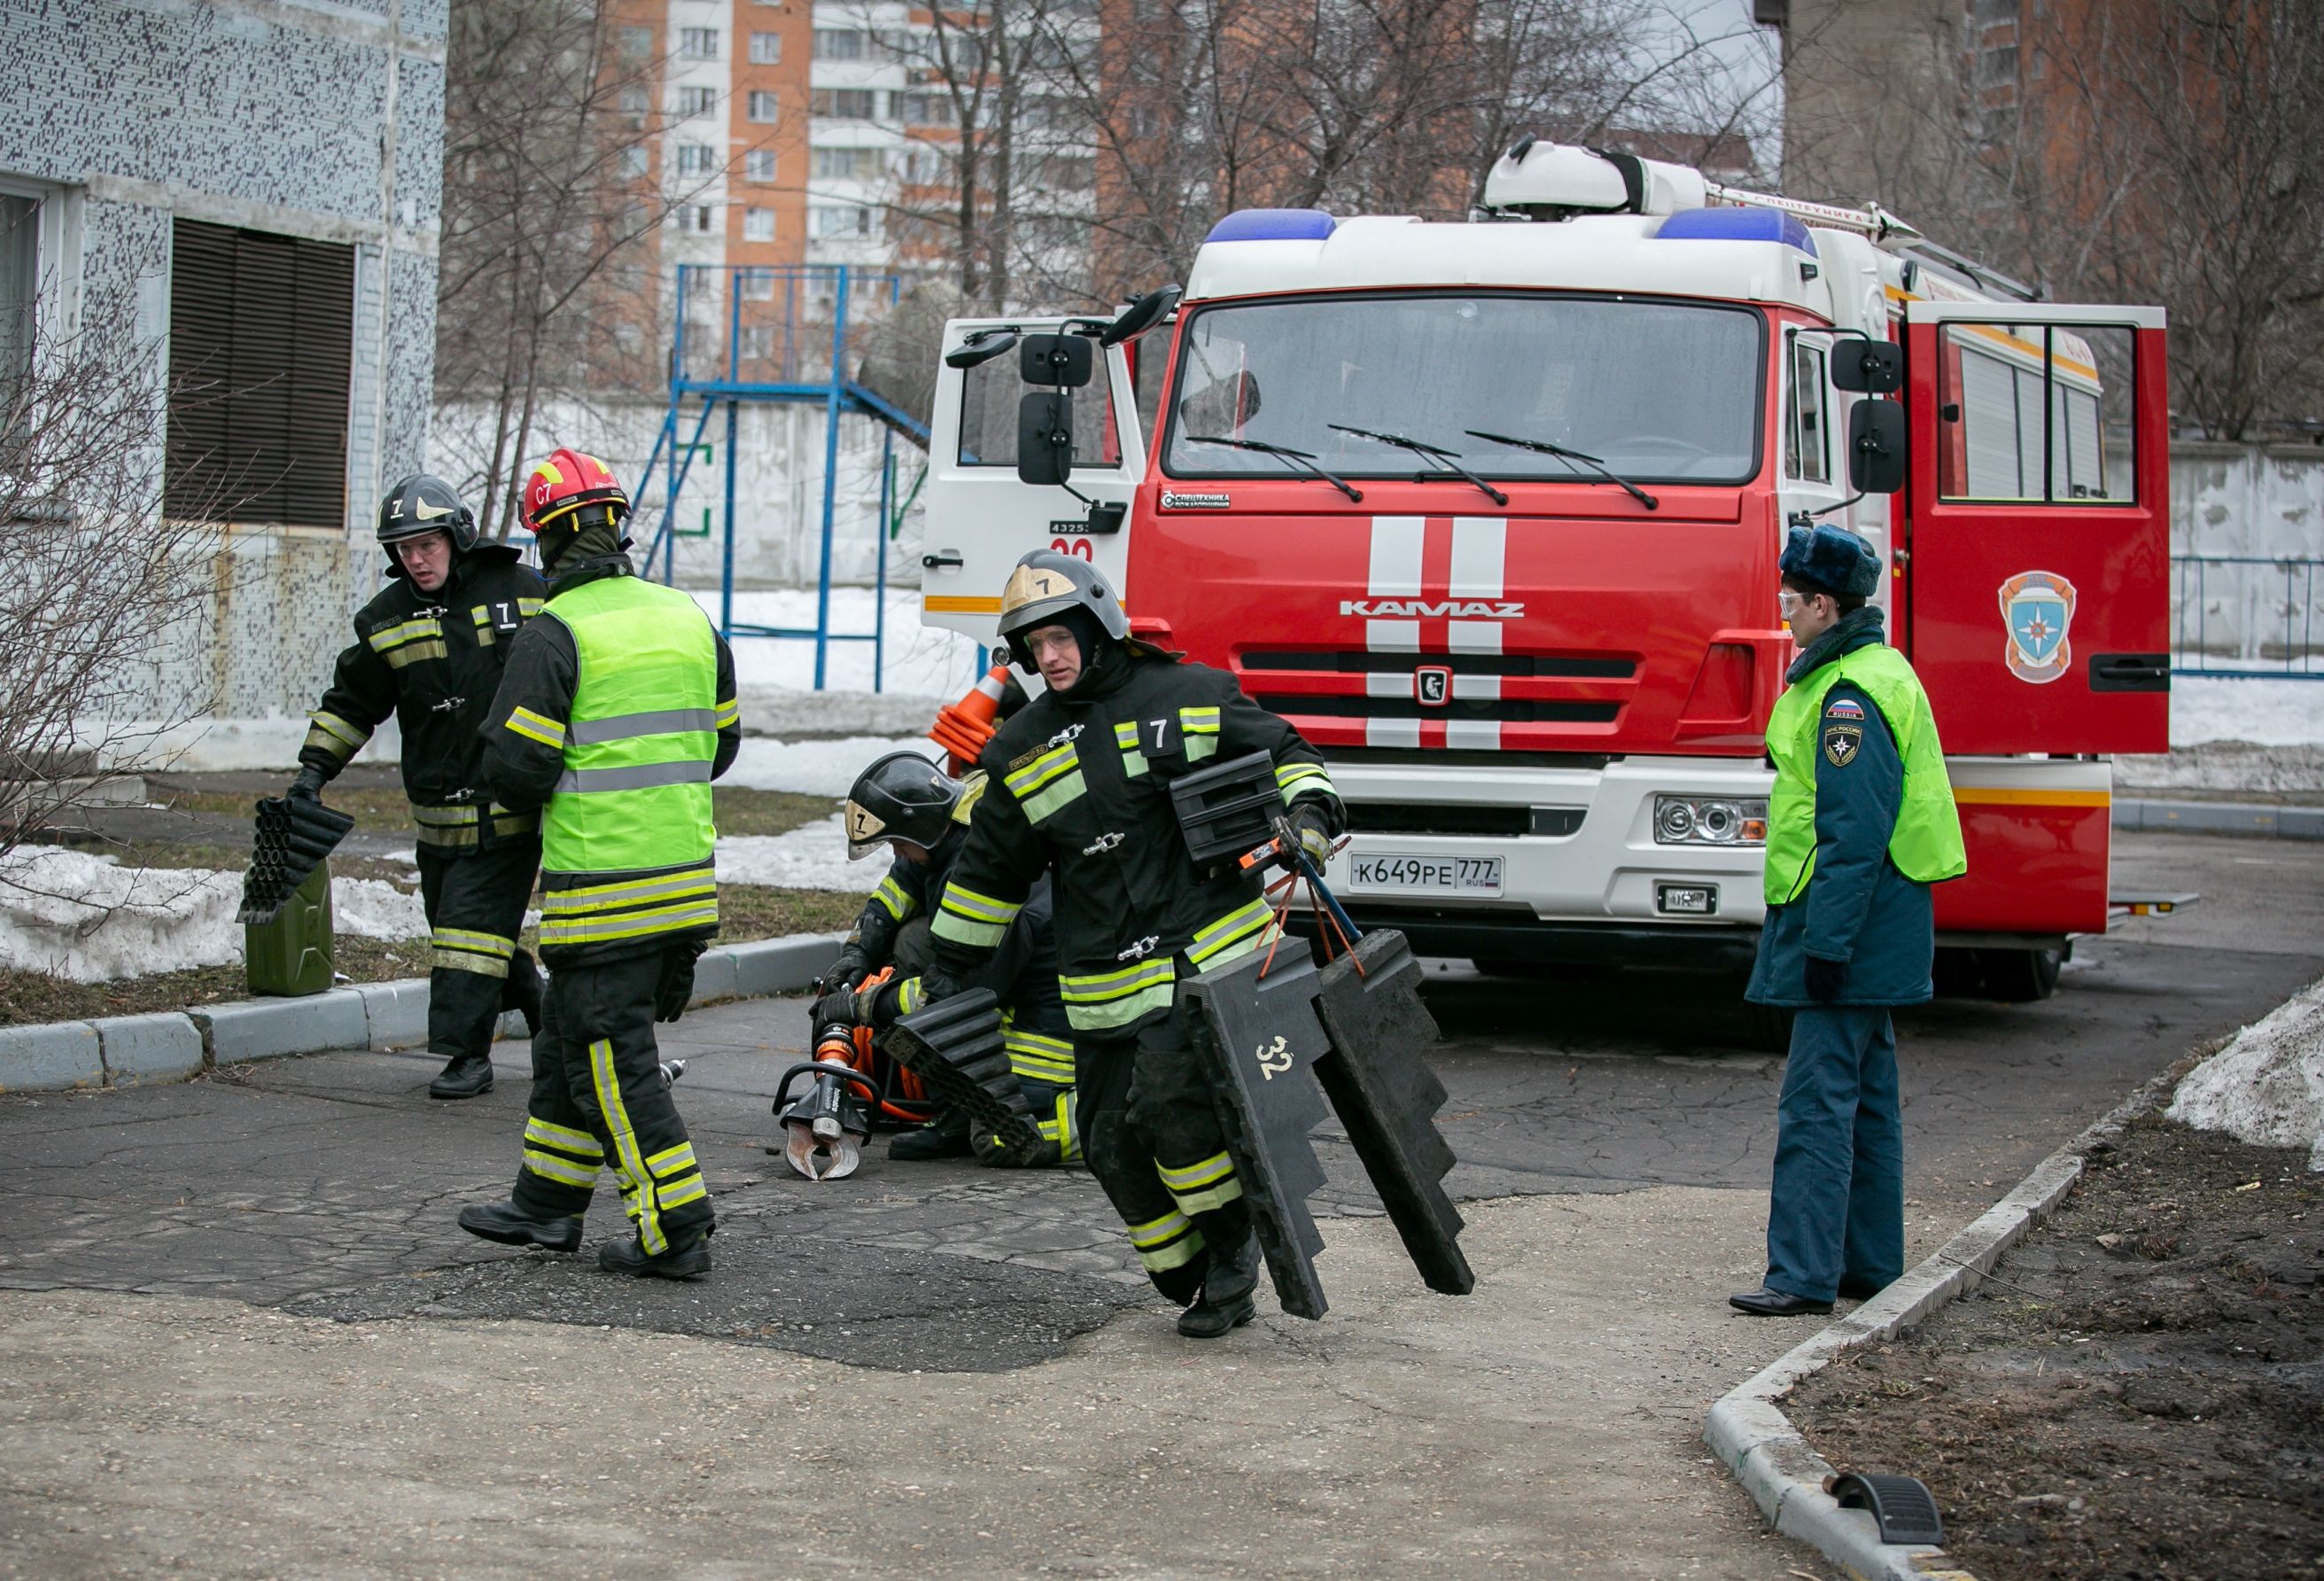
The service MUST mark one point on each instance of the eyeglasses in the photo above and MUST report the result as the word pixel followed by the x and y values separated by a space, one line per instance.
pixel 1790 602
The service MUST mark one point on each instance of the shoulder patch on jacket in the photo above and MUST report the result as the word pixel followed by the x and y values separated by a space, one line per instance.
pixel 1844 708
pixel 1841 743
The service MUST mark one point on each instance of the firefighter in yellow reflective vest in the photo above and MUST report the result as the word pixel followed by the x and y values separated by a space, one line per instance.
pixel 1860 825
pixel 617 711
pixel 1078 788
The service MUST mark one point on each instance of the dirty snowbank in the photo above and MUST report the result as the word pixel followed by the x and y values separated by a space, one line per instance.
pixel 87 918
pixel 2267 1088
pixel 813 856
pixel 2264 712
pixel 815 768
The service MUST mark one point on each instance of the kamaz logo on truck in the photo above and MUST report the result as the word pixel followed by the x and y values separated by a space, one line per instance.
pixel 1424 609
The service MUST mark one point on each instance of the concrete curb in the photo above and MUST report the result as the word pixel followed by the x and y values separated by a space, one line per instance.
pixel 1776 1466
pixel 172 1046
pixel 2252 819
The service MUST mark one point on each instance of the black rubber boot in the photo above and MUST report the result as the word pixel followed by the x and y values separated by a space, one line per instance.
pixel 691 1261
pixel 943 1137
pixel 468 1076
pixel 501 1221
pixel 1227 1302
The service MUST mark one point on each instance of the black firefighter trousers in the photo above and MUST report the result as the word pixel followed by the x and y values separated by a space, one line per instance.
pixel 475 903
pixel 1153 1140
pixel 599 1100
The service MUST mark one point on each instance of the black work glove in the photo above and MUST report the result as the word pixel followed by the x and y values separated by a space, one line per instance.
pixel 1824 978
pixel 843 1007
pixel 676 989
pixel 1304 828
pixel 308 786
pixel 846 970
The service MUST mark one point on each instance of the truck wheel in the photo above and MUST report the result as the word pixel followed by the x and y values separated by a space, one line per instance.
pixel 1959 973
pixel 2021 976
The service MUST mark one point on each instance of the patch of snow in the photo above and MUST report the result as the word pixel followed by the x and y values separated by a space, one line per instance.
pixel 813 857
pixel 87 918
pixel 2266 713
pixel 2267 1088
pixel 815 768
pixel 920 661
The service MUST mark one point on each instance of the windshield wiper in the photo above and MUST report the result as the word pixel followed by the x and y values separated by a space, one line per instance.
pixel 1303 457
pixel 1562 454
pixel 1447 459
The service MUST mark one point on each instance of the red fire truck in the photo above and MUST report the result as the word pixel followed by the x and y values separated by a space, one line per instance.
pixel 1491 512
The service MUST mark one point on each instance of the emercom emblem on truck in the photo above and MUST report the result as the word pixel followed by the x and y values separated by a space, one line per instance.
pixel 1425 609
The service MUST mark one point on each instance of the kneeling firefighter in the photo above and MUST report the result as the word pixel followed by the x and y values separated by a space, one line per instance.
pixel 618 710
pixel 1078 789
pixel 430 649
pixel 905 804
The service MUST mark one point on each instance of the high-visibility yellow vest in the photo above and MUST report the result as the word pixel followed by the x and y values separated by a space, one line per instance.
pixel 1926 843
pixel 643 733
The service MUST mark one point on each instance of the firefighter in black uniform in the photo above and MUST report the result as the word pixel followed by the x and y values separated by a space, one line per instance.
pixel 905 803
pixel 618 710
pixel 429 650
pixel 1077 787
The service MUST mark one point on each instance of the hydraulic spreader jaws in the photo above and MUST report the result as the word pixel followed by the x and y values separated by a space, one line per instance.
pixel 825 1127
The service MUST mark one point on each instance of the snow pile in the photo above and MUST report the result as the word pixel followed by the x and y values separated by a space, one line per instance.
pixel 922 660
pixel 2267 1086
pixel 89 919
pixel 815 768
pixel 2266 713
pixel 813 857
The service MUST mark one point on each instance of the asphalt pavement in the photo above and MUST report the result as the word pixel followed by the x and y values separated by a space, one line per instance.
pixel 237 1319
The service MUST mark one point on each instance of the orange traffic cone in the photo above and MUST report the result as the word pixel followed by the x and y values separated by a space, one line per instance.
pixel 964 727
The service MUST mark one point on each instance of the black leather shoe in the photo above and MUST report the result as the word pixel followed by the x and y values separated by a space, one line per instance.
pixel 468 1076
pixel 501 1221
pixel 1862 1289
pixel 1765 1302
pixel 1226 1301
pixel 945 1137
pixel 691 1261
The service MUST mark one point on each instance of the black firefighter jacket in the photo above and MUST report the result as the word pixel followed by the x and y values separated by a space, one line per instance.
pixel 433 660
pixel 1078 787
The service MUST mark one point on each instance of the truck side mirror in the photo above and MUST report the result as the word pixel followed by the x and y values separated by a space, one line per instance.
pixel 1062 361
pixel 1140 316
pixel 1876 446
pixel 1867 367
pixel 1045 437
pixel 981 347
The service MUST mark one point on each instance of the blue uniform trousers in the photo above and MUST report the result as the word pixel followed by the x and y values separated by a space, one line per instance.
pixel 1838 1205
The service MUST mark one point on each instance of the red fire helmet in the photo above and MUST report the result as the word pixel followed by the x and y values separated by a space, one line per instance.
pixel 565 482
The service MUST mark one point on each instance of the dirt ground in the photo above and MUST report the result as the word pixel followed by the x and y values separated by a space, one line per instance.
pixel 2136 1391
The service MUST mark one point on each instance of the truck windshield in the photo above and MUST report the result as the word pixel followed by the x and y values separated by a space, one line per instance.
pixel 1660 392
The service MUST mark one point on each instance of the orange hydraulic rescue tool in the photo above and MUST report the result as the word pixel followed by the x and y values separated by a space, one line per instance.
pixel 962 728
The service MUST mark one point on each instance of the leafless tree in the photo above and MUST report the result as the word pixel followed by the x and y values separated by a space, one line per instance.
pixel 2126 151
pixel 109 596
pixel 548 280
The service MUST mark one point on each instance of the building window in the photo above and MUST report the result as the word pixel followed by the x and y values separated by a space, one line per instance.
pixel 926 109
pixel 20 297
pixel 833 44
pixel 762 106
pixel 698 44
pixel 635 160
pixel 847 103
pixel 758 224
pixel 758 165
pixel 766 48
pixel 696 101
pixel 635 101
pixel 696 159
pixel 261 331
pixel 755 342
pixel 635 44
pixel 693 218
pixel 842 222
pixel 846 164
pixel 757 285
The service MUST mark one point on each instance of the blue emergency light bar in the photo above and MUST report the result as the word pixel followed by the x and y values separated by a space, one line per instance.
pixel 1273 225
pixel 1737 225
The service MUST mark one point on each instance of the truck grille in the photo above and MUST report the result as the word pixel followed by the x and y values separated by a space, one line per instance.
pixel 1551 666
pixel 1365 817
pixel 1505 710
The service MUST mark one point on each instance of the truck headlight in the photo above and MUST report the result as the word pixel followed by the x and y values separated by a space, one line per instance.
pixel 1710 820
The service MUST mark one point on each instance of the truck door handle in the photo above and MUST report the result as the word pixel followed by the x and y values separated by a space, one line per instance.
pixel 943 560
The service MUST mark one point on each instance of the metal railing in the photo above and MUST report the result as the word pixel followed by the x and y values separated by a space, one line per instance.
pixel 2264 622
